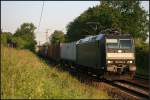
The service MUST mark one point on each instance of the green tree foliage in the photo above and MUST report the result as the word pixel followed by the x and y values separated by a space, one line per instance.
pixel 126 16
pixel 133 18
pixel 24 36
pixel 142 56
pixel 57 37
pixel 5 37
pixel 20 43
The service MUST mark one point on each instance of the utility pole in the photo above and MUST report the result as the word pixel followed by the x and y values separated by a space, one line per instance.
pixel 1 30
pixel 47 35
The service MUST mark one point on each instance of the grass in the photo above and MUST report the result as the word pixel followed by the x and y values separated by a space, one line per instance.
pixel 24 75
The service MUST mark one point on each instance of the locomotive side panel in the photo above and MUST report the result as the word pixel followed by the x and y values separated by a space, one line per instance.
pixel 88 54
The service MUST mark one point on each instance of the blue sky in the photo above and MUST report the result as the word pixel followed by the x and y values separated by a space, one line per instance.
pixel 56 14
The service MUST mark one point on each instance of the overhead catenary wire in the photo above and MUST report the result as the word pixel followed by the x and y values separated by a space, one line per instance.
pixel 40 16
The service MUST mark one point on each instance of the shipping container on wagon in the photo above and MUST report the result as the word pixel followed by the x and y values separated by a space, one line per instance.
pixel 42 50
pixel 54 52
pixel 68 51
pixel 49 52
pixel 90 52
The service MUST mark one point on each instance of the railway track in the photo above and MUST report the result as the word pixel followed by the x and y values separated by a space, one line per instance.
pixel 141 77
pixel 135 92
pixel 133 88
pixel 136 83
pixel 139 91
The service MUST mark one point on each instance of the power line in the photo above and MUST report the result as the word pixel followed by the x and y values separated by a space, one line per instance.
pixel 40 16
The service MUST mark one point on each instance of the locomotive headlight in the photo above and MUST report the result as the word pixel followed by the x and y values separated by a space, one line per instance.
pixel 119 51
pixel 130 61
pixel 109 61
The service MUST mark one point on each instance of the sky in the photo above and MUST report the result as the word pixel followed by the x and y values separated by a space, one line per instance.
pixel 56 14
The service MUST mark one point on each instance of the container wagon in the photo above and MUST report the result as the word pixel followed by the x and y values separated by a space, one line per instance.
pixel 54 52
pixel 42 50
pixel 68 52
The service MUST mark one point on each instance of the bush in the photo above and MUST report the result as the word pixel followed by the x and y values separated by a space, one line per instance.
pixel 5 37
pixel 142 58
pixel 24 37
pixel 20 43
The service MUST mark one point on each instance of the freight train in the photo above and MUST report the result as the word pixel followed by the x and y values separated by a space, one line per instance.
pixel 108 56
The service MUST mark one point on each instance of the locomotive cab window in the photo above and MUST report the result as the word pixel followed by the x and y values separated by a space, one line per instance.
pixel 112 43
pixel 125 44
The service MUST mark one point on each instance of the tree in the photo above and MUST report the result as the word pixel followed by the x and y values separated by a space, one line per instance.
pixel 90 22
pixel 57 37
pixel 133 18
pixel 126 16
pixel 24 36
pixel 5 37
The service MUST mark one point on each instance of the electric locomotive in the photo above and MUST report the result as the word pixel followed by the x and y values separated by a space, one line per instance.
pixel 110 56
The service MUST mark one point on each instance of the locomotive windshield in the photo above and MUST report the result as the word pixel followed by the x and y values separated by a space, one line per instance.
pixel 126 44
pixel 119 43
pixel 112 43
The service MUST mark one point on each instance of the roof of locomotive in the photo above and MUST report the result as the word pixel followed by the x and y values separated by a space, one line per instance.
pixel 101 35
pixel 116 34
pixel 91 38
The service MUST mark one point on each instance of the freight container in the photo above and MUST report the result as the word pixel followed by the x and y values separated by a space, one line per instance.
pixel 49 53
pixel 53 52
pixel 68 51
pixel 42 50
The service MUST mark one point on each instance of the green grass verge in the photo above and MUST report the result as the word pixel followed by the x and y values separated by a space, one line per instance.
pixel 24 75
